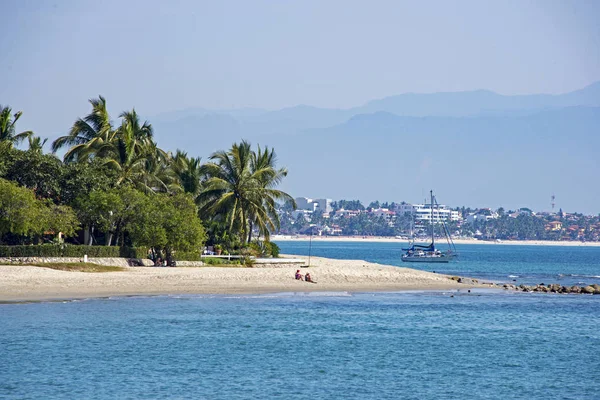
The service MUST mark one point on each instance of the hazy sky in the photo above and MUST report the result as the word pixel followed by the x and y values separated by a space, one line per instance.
pixel 161 56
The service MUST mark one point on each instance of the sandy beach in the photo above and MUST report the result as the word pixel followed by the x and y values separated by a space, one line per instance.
pixel 29 283
pixel 457 241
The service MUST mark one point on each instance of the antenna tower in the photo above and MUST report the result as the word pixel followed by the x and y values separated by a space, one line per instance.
pixel 552 198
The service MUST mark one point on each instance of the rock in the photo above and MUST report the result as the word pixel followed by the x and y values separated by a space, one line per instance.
pixel 540 288
pixel 588 290
pixel 564 289
pixel 575 289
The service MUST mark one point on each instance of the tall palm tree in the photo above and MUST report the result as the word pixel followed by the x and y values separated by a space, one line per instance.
pixel 7 127
pixel 188 172
pixel 263 166
pixel 240 189
pixel 36 144
pixel 135 156
pixel 87 134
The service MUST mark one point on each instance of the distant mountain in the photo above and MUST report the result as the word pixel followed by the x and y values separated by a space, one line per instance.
pixel 480 102
pixel 483 161
pixel 251 123
pixel 477 148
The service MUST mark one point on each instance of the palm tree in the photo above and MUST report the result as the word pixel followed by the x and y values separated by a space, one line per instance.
pixel 87 134
pixel 36 144
pixel 135 157
pixel 263 166
pixel 7 127
pixel 240 189
pixel 188 171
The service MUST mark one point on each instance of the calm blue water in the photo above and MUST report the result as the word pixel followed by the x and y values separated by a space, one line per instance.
pixel 500 263
pixel 413 345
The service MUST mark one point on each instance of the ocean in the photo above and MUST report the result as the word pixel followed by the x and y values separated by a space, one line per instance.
pixel 408 345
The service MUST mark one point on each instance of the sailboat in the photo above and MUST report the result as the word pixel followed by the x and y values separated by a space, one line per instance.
pixel 428 252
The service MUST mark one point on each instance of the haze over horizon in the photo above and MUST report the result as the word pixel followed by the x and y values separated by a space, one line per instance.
pixel 230 55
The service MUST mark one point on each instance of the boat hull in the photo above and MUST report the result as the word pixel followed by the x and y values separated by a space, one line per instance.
pixel 427 259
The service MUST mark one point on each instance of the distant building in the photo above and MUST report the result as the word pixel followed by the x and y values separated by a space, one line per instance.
pixel 423 213
pixel 305 203
pixel 324 205
pixel 332 230
pixel 346 213
pixel 483 214
pixel 555 226
pixel 304 213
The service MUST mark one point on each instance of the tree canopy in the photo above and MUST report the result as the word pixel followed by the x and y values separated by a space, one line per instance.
pixel 116 186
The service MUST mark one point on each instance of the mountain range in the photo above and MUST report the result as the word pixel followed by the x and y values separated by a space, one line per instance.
pixel 476 148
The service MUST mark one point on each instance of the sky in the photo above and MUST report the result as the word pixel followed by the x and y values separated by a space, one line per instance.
pixel 162 56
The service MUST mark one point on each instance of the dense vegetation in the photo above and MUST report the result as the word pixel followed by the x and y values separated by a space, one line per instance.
pixel 115 187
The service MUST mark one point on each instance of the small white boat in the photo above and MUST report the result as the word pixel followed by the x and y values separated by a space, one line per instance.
pixel 428 253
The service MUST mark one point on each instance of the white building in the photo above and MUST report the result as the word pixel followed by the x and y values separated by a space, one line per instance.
pixel 305 203
pixel 304 213
pixel 483 214
pixel 422 213
pixel 323 205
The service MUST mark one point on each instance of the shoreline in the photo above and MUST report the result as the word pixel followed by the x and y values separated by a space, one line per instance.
pixel 383 239
pixel 22 283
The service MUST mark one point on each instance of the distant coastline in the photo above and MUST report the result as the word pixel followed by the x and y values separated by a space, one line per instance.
pixel 282 238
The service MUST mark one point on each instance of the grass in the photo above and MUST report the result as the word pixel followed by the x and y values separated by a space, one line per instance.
pixel 80 267
pixel 222 262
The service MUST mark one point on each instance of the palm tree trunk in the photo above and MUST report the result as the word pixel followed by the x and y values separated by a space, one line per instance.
pixel 86 234
pixel 250 233
pixel 244 223
pixel 91 235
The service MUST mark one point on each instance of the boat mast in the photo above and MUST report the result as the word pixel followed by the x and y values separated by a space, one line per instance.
pixel 431 193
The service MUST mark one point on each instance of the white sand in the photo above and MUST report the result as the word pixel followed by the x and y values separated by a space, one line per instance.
pixel 21 283
pixel 366 239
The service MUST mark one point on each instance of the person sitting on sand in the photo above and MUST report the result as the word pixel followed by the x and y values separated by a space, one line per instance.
pixel 298 275
pixel 307 278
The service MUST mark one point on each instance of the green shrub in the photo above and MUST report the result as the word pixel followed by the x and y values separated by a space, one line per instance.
pixel 275 250
pixel 187 256
pixel 215 261
pixel 134 252
pixel 247 261
pixel 91 251
pixel 44 250
pixel 262 249
pixel 54 250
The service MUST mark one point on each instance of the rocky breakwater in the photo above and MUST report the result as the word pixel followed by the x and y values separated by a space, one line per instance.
pixel 555 288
